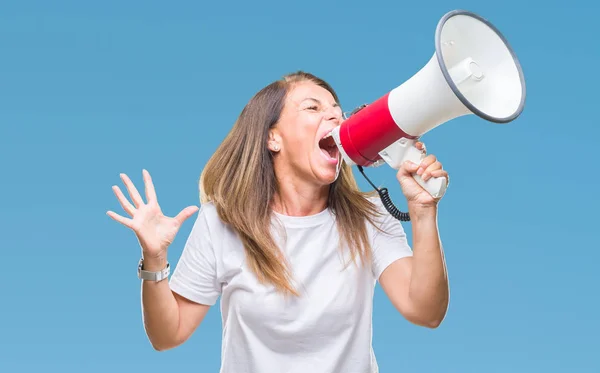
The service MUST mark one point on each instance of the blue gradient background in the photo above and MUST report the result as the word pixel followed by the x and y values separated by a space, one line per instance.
pixel 92 89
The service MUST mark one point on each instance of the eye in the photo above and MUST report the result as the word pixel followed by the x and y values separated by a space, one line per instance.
pixel 312 108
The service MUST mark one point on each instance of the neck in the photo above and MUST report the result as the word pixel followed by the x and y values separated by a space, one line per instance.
pixel 297 198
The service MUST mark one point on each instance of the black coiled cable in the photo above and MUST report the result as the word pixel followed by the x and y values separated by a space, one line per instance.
pixel 387 201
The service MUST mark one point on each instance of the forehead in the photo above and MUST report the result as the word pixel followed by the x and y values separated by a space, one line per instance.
pixel 303 90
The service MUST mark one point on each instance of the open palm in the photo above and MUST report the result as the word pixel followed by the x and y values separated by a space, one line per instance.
pixel 154 230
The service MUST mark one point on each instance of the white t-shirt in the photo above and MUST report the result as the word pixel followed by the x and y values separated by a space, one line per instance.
pixel 327 329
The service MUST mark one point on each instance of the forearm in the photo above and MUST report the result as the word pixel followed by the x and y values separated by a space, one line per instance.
pixel 160 309
pixel 428 289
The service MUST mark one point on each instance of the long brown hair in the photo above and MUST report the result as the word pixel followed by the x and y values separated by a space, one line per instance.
pixel 239 179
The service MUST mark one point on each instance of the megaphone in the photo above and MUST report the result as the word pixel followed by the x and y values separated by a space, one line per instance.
pixel 472 71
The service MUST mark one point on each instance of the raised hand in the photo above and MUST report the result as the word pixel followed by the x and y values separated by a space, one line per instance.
pixel 154 231
pixel 429 167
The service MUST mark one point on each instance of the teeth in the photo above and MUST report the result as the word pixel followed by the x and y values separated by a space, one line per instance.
pixel 327 136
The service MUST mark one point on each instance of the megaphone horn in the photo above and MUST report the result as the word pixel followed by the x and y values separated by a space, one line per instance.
pixel 472 71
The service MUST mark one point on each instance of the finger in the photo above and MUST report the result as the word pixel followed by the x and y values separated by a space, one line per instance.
pixel 432 167
pixel 133 192
pixel 150 192
pixel 123 220
pixel 127 206
pixel 434 173
pixel 185 214
pixel 442 173
pixel 426 162
pixel 439 173
pixel 408 168
pixel 406 171
pixel 421 146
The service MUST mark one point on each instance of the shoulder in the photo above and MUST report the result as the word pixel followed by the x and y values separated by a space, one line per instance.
pixel 383 221
pixel 215 240
pixel 376 200
pixel 208 224
pixel 380 213
pixel 209 214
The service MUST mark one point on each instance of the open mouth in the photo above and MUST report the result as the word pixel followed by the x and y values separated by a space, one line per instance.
pixel 329 148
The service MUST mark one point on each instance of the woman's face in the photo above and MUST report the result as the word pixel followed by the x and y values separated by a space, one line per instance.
pixel 309 114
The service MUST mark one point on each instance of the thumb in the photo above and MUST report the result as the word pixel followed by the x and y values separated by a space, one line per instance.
pixel 185 214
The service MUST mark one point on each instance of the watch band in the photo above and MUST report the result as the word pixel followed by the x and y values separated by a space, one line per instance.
pixel 153 276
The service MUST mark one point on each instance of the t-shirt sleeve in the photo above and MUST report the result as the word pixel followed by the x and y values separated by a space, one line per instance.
pixel 389 245
pixel 195 275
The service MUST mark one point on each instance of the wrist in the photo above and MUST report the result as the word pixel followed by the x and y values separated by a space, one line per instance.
pixel 422 211
pixel 154 263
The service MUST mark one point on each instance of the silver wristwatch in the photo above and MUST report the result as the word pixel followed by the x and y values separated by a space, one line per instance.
pixel 152 276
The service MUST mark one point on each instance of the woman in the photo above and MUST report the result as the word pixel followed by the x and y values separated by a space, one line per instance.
pixel 289 243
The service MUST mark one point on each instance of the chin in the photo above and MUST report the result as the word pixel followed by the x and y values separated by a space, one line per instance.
pixel 324 174
pixel 325 160
pixel 327 179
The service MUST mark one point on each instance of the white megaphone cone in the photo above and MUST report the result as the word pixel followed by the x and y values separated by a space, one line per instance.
pixel 473 71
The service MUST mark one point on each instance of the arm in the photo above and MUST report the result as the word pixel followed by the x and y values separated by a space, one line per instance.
pixel 417 286
pixel 169 319
pixel 173 310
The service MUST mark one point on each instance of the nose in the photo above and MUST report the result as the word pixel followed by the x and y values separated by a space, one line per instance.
pixel 334 114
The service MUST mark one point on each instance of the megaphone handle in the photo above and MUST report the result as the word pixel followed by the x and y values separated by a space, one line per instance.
pixel 405 150
pixel 436 186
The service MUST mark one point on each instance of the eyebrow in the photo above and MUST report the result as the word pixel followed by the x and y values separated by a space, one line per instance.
pixel 335 104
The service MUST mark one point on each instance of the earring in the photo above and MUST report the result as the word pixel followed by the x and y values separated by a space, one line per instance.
pixel 276 147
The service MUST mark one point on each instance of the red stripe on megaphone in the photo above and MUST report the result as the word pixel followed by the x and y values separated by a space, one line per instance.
pixel 369 131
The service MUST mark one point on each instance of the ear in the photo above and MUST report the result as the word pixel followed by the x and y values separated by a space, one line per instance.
pixel 274 140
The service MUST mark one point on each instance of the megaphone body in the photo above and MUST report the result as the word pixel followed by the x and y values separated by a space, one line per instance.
pixel 472 71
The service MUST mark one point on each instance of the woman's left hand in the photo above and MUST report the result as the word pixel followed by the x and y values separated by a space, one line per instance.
pixel 428 168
